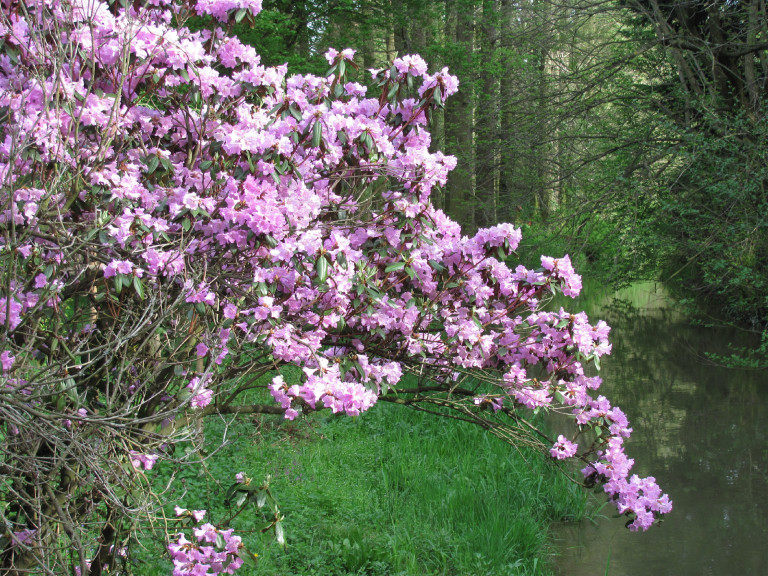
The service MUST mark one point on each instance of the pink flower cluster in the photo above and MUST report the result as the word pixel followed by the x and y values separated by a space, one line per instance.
pixel 639 498
pixel 223 9
pixel 212 551
pixel 563 448
pixel 323 388
pixel 23 537
pixel 145 461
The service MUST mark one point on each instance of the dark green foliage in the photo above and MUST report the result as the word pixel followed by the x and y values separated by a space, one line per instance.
pixel 716 217
pixel 707 66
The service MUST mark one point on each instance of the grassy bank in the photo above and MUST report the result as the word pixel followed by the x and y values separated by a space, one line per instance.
pixel 391 492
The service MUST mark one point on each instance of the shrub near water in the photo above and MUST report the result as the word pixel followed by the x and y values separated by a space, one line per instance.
pixel 394 492
pixel 178 222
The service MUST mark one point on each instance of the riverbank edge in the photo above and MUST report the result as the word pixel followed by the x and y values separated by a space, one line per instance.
pixel 391 492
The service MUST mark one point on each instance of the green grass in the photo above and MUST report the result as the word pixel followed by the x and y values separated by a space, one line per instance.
pixel 393 492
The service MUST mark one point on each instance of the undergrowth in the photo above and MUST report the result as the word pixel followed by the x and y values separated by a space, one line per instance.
pixel 392 492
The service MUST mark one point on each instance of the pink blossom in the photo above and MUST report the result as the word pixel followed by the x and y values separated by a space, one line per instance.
pixel 332 54
pixel 145 461
pixel 219 9
pixel 7 360
pixel 206 532
pixel 355 89
pixel 118 266
pixel 23 537
pixel 411 64
pixel 201 398
pixel 563 448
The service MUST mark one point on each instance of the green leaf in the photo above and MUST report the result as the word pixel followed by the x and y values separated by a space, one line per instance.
pixel 436 265
pixel 186 224
pixel 205 164
pixel 317 134
pixel 437 96
pixel 261 499
pixel 394 267
pixel 248 557
pixel 373 293
pixel 279 533
pixel 231 491
pixel 61 402
pixel 321 267
pixel 240 14
pixel 342 67
pixel 69 387
pixel 152 163
pixel 139 287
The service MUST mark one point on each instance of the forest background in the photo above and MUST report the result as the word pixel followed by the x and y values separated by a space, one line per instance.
pixel 630 134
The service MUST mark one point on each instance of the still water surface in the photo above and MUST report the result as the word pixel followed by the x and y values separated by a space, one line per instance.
pixel 700 429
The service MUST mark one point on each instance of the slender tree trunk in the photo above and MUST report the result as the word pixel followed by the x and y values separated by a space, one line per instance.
pixel 459 124
pixel 486 124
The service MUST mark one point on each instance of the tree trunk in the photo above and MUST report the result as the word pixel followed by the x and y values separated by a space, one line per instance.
pixel 459 123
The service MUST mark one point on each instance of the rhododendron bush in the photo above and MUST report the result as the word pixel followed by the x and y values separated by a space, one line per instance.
pixel 179 222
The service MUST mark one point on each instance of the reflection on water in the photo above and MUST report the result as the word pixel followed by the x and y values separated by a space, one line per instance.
pixel 700 429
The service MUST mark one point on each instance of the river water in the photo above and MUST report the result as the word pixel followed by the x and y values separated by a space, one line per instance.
pixel 700 429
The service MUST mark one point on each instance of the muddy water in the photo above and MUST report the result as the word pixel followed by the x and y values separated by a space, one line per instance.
pixel 700 429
